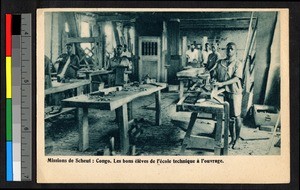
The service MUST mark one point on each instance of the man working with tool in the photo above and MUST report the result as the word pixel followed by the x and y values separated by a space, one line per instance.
pixel 212 59
pixel 205 52
pixel 228 75
pixel 67 65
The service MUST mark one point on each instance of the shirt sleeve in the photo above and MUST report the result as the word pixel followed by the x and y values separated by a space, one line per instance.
pixel 239 70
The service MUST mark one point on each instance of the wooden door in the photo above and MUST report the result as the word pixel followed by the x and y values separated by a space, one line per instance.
pixel 150 57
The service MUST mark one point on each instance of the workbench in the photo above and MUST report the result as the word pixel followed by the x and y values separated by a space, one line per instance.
pixel 72 84
pixel 57 88
pixel 218 111
pixel 189 75
pixel 119 101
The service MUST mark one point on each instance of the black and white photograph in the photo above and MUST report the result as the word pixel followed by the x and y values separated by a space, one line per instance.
pixel 148 82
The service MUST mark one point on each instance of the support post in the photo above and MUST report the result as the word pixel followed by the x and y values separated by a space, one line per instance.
pixel 83 127
pixel 188 132
pixel 123 128
pixel 158 107
pixel 218 134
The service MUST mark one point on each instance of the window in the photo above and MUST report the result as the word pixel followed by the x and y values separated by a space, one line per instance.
pixel 85 32
pixel 149 48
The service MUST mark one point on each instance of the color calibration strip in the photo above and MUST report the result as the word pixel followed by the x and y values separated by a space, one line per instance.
pixel 9 152
pixel 18 97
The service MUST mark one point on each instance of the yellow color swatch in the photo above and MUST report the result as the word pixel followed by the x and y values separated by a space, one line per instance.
pixel 8 77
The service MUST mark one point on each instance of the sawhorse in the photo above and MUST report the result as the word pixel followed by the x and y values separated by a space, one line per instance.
pixel 216 109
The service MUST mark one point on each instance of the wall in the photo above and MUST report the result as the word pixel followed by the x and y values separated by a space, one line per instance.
pixel 54 26
pixel 237 36
pixel 272 95
pixel 149 28
pixel 264 37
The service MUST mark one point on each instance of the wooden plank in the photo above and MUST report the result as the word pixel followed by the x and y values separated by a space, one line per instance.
pixel 158 107
pixel 123 128
pixel 201 142
pixel 83 127
pixel 93 73
pixel 66 86
pixel 192 72
pixel 64 110
pixel 188 132
pixel 116 33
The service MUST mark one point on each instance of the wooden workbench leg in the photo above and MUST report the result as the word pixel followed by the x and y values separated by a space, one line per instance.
pixel 123 128
pixel 79 90
pixel 181 89
pixel 129 111
pixel 117 116
pixel 188 132
pixel 91 84
pixel 83 127
pixel 226 126
pixel 218 135
pixel 158 108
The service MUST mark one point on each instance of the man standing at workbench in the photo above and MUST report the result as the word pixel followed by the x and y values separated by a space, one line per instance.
pixel 229 74
pixel 213 58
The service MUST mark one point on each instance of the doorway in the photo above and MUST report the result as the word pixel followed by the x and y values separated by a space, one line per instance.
pixel 150 57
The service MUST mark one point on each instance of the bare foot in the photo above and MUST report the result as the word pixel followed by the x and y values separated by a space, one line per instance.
pixel 235 144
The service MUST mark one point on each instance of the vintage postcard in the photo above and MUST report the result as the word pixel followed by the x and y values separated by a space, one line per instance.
pixel 163 96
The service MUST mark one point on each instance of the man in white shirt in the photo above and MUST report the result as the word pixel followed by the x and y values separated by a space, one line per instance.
pixel 192 56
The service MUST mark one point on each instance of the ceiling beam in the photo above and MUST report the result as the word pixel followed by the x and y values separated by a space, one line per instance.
pixel 219 19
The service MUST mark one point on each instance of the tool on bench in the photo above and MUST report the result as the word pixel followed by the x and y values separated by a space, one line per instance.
pixel 215 94
pixel 202 96
pixel 154 84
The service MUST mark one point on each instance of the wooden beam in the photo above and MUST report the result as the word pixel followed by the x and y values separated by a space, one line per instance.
pixel 201 142
pixel 218 19
pixel 116 33
pixel 83 40
pixel 119 18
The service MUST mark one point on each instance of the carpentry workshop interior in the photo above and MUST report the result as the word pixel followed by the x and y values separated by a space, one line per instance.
pixel 162 83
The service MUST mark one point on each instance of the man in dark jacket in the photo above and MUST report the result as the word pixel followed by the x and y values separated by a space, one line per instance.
pixel 68 65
